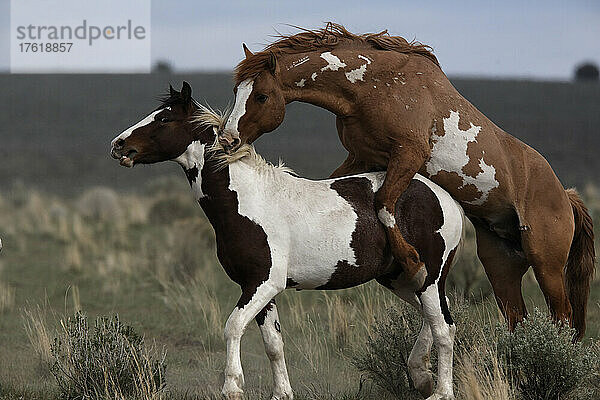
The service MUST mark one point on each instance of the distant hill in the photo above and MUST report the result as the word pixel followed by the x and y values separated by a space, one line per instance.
pixel 55 129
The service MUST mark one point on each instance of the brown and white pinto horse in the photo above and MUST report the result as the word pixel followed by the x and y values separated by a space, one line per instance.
pixel 396 110
pixel 275 230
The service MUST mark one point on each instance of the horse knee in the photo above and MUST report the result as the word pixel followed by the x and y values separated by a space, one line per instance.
pixel 274 348
pixel 233 327
pixel 444 338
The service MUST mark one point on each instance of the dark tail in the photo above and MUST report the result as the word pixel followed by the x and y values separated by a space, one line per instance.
pixel 581 263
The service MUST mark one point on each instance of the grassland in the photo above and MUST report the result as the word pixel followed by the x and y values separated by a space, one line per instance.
pixel 150 257
pixel 139 246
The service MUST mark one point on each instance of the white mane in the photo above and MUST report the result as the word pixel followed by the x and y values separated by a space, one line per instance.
pixel 206 116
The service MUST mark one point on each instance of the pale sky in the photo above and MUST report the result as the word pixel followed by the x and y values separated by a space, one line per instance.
pixel 510 38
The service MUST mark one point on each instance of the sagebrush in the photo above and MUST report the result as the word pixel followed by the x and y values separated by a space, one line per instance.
pixel 108 361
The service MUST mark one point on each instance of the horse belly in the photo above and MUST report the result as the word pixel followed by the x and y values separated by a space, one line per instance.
pixel 347 247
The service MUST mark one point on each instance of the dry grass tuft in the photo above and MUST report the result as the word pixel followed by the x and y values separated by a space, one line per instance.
pixel 34 322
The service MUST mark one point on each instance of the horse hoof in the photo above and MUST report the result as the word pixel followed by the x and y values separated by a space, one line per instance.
pixel 233 395
pixel 232 392
pixel 284 396
pixel 437 396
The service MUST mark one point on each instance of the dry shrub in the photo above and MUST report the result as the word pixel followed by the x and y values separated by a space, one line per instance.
pixel 543 362
pixel 100 203
pixel 110 361
pixel 168 209
pixel 36 329
pixel 385 357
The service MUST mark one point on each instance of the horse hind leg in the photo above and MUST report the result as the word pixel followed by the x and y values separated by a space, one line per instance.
pixel 443 331
pixel 270 329
pixel 546 241
pixel 418 363
pixel 504 266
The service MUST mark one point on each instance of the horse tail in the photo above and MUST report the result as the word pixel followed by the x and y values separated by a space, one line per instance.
pixel 581 262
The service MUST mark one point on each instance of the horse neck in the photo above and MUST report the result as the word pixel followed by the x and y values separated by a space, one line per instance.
pixel 307 83
pixel 211 183
pixel 333 79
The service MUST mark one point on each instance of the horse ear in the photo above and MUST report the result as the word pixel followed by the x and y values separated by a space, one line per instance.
pixel 186 92
pixel 247 52
pixel 272 64
pixel 172 91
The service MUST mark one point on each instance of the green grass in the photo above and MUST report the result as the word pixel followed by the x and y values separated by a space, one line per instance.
pixel 162 277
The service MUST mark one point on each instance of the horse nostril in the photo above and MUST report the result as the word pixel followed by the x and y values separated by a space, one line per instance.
pixel 120 143
pixel 235 142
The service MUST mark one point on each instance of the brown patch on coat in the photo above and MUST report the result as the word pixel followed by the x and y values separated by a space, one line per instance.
pixel 262 314
pixel 418 216
pixel 368 239
pixel 442 288
pixel 242 247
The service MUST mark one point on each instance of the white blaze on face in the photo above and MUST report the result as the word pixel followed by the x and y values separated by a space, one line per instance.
pixel 333 62
pixel 449 153
pixel 194 157
pixel 239 109
pixel 127 132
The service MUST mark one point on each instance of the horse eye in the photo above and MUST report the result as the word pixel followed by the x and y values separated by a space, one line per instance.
pixel 261 98
pixel 164 120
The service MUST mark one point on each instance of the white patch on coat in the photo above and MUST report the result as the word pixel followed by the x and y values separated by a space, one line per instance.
pixel 298 62
pixel 127 132
pixel 333 62
pixel 386 218
pixel 239 109
pixel 306 219
pixel 300 83
pixel 313 76
pixel 358 73
pixel 449 153
pixel 376 179
pixel 271 334
pixel 192 157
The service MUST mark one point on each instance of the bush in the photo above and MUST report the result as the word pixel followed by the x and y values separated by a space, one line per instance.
pixel 100 203
pixel 109 362
pixel 587 71
pixel 172 208
pixel 385 357
pixel 542 361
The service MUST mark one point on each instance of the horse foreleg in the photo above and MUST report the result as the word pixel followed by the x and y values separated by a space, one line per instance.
pixel 270 328
pixel 402 166
pixel 244 312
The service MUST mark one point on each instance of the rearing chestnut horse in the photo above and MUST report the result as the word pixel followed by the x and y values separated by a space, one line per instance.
pixel 396 110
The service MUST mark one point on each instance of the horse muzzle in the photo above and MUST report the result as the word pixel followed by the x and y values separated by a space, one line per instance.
pixel 124 154
pixel 228 141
